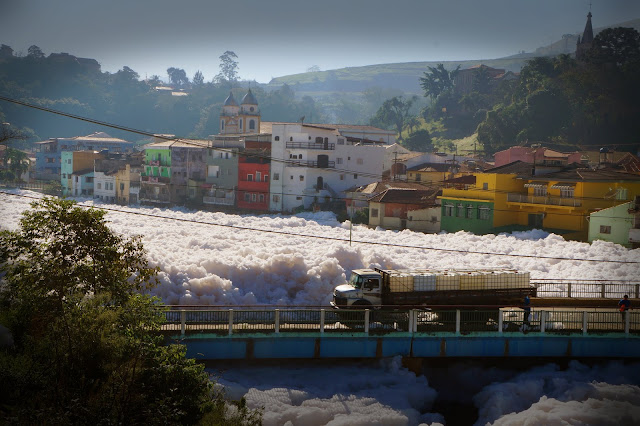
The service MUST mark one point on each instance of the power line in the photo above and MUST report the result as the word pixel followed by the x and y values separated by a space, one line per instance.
pixel 246 228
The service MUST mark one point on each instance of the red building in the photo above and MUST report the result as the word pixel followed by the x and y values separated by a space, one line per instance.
pixel 253 179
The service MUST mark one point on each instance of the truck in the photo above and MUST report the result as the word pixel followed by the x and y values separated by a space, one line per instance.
pixel 390 288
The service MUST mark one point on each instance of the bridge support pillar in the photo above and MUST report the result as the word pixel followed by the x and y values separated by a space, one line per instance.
pixel 412 364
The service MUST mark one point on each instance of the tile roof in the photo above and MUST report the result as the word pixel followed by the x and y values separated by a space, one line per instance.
pixel 407 196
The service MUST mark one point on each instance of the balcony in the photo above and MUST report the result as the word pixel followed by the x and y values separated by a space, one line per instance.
pixel 155 179
pixel 154 198
pixel 218 200
pixel 543 199
pixel 310 145
pixel 296 163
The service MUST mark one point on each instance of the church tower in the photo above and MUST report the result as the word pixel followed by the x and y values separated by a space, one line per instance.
pixel 584 43
pixel 229 116
pixel 249 114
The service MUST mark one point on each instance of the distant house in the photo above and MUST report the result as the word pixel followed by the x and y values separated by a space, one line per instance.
pixel 619 224
pixel 540 156
pixel 77 174
pixel 48 152
pixel 397 208
pixel 465 79
pixel 253 179
pixel 316 162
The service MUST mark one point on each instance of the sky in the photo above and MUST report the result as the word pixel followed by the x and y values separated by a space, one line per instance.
pixel 276 38
pixel 207 264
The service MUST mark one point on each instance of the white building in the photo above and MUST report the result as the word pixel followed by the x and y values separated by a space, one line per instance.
pixel 313 163
pixel 104 186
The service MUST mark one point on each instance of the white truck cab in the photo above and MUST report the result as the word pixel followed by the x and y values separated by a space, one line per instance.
pixel 363 289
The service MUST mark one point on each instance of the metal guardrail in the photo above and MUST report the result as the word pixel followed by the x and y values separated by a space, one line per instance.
pixel 453 321
pixel 604 289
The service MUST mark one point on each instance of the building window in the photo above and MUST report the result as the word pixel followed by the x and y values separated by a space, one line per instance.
pixel 213 171
pixel 276 198
pixel 291 177
pixel 301 178
pixel 340 141
pixel 121 186
pixel 277 138
pixel 222 125
pixel 485 186
pixel 252 124
pixel 448 210
pixel 258 176
pixel 249 178
pixel 276 176
pixel 483 213
pixel 298 198
pixel 621 194
pixel 241 125
pixel 253 198
pixel 355 176
pixel 247 196
pixel 605 229
pixel 262 198
pixel 359 161
pixel 99 185
pixel 469 211
pixel 460 212
pixel 266 178
pixel 418 177
pixel 341 177
pixel 566 192
pixel 339 160
pixel 374 212
pixel 540 191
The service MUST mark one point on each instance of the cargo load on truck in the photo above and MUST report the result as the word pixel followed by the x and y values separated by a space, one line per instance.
pixel 420 287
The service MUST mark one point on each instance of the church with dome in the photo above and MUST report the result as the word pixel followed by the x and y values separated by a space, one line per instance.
pixel 240 119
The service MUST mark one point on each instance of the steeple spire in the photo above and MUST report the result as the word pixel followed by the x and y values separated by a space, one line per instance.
pixel 587 35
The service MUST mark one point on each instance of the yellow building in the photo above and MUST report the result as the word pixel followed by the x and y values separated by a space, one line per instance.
pixel 128 184
pixel 478 203
pixel 513 197
pixel 564 200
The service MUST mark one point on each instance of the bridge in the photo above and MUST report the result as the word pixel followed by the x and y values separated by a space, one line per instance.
pixel 316 333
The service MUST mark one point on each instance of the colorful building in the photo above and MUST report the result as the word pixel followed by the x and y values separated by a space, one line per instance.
pixel 48 153
pixel 253 179
pixel 155 178
pixel 617 224
pixel 76 176
pixel 478 203
pixel 415 209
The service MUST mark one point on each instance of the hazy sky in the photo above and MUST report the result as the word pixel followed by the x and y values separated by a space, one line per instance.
pixel 280 37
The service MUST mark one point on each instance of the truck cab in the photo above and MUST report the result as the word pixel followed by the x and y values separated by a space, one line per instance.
pixel 363 289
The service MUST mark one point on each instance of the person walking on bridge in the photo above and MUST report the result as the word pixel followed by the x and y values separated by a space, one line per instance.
pixel 624 304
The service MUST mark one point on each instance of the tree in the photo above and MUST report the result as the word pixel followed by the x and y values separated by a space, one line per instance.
pixel 198 79
pixel 228 68
pixel 313 68
pixel 85 346
pixel 178 76
pixel 16 161
pixel 393 113
pixel 617 46
pixel 419 141
pixel 438 80
pixel 34 52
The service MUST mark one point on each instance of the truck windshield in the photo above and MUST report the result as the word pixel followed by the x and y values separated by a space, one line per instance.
pixel 356 280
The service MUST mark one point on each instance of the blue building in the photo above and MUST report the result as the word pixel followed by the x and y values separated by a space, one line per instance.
pixel 48 153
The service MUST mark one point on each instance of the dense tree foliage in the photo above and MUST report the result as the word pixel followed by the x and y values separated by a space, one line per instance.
pixel 71 86
pixel 79 341
pixel 438 80
pixel 565 101
pixel 394 112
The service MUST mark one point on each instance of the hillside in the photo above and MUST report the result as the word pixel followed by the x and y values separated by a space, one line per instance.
pixel 405 76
